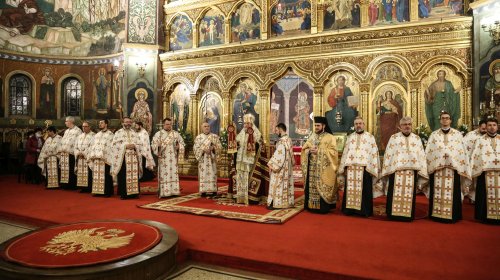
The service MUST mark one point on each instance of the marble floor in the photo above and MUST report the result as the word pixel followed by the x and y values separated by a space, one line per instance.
pixel 186 271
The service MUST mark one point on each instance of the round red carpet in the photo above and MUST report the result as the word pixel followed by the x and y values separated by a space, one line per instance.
pixel 82 244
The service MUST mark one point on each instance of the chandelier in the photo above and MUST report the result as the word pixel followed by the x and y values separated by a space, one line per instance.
pixel 494 30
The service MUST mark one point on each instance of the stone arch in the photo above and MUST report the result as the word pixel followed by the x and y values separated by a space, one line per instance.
pixel 401 61
pixel 458 65
pixel 202 76
pixel 332 69
pixel 278 74
pixel 206 10
pixel 174 16
pixel 170 85
pixel 240 75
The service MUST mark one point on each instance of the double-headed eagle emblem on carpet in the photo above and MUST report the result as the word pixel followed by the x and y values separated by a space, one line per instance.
pixel 86 240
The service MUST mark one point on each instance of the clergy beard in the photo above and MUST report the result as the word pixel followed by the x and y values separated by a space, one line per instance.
pixel 407 134
pixel 497 77
pixel 360 131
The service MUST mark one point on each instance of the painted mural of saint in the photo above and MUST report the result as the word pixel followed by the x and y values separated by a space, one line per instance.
pixel 302 111
pixel 244 103
pixel 341 116
pixel 275 112
pixel 441 96
pixel 390 113
pixel 492 87
pixel 245 23
pixel 212 115
pixel 181 34
pixel 47 95
pixel 211 31
pixel 141 111
pixel 180 111
pixel 101 87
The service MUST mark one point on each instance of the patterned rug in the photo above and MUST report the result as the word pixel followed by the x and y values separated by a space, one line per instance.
pixel 223 207
pixel 82 244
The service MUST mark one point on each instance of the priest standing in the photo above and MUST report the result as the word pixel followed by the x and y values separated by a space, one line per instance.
pixel 48 160
pixel 249 141
pixel 360 165
pixel 82 170
pixel 147 158
pixel 485 163
pixel 168 145
pixel 405 169
pixel 100 161
pixel 469 141
pixel 67 154
pixel 127 160
pixel 319 160
pixel 281 188
pixel 206 148
pixel 449 169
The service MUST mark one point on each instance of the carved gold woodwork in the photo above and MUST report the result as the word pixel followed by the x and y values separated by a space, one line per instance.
pixel 316 58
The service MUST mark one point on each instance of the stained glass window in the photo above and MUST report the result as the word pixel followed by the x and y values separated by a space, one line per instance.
pixel 20 95
pixel 72 96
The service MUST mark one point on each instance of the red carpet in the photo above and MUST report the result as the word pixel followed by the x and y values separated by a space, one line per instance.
pixel 191 182
pixel 226 208
pixel 82 244
pixel 309 246
pixel 379 208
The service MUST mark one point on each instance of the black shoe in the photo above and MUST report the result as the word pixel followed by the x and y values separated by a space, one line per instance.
pixel 203 194
pixel 270 207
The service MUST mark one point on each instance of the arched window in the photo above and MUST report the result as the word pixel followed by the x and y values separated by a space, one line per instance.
pixel 72 96
pixel 20 95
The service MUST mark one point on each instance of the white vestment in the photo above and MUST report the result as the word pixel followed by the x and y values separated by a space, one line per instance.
pixel 207 161
pixel 83 142
pixel 281 187
pixel 164 145
pixel 47 161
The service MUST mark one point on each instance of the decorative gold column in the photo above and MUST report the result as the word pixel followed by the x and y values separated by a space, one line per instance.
pixel 364 106
pixel 314 16
pixel 414 102
pixel 196 38
pixel 321 17
pixel 318 101
pixel 227 29
pixel 265 107
pixel 165 99
pixel 364 13
pixel 413 10
pixel 194 116
pixel 467 114
pixel 263 23
pixel 167 38
pixel 226 104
